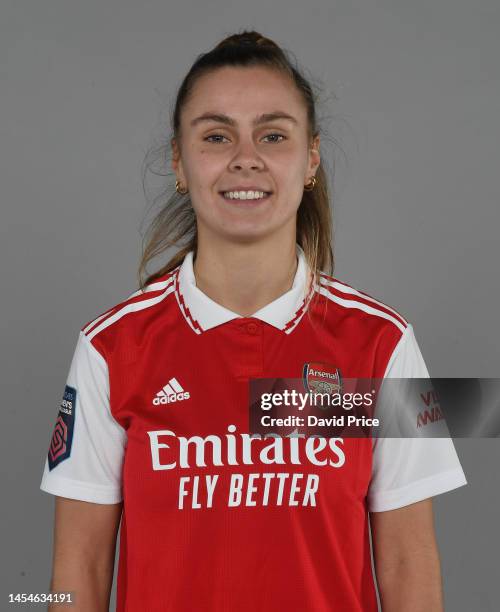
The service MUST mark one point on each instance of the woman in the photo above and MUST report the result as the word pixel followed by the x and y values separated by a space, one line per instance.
pixel 155 421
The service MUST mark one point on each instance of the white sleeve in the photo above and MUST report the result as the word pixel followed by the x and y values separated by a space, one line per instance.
pixel 407 470
pixel 85 455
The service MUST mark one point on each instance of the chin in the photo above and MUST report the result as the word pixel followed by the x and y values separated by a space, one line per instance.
pixel 236 229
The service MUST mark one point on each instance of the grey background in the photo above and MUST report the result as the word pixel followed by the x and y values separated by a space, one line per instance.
pixel 83 88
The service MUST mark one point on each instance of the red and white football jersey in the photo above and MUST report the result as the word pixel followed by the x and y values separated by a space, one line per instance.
pixel 155 413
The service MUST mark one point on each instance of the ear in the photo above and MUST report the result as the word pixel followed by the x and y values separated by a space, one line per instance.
pixel 176 161
pixel 314 158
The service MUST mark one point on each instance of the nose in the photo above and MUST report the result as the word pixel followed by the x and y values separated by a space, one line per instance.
pixel 246 156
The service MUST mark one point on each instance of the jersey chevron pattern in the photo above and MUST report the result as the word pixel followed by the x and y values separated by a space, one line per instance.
pixel 214 519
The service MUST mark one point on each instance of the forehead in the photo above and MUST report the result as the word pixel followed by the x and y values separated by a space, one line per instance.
pixel 243 93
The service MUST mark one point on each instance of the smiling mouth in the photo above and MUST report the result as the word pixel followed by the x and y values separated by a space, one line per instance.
pixel 245 200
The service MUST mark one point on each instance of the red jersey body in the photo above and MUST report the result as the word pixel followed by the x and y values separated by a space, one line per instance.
pixel 214 519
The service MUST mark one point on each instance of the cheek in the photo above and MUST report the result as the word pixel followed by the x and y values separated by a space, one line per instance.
pixel 289 167
pixel 202 170
pixel 290 185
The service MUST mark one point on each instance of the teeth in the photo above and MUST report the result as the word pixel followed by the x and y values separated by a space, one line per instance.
pixel 244 195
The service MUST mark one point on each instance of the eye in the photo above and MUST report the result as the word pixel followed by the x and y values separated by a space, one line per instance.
pixel 222 136
pixel 214 136
pixel 276 134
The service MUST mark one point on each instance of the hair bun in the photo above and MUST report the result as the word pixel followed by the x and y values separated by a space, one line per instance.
pixel 246 39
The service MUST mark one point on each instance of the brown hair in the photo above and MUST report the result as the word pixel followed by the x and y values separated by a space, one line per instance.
pixel 175 224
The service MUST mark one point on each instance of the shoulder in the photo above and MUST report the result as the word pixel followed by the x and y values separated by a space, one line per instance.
pixel 369 332
pixel 345 300
pixel 132 312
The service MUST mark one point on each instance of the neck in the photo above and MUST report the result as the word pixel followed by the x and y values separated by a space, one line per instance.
pixel 245 277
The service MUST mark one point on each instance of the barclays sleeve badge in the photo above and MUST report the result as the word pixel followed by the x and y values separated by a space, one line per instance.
pixel 62 436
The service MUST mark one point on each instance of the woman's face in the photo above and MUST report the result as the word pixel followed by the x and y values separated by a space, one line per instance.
pixel 228 144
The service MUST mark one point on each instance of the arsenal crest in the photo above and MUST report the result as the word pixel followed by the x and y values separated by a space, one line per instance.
pixel 322 378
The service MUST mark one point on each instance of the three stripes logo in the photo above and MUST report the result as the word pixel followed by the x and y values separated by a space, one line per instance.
pixel 171 392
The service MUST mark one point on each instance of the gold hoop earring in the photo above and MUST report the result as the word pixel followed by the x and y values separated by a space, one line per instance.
pixel 312 183
pixel 177 186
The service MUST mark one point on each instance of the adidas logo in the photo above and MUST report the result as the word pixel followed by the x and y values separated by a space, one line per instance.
pixel 171 392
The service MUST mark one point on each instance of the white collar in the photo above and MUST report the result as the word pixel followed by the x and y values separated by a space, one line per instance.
pixel 202 313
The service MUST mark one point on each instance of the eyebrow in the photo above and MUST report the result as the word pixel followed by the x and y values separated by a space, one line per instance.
pixel 222 118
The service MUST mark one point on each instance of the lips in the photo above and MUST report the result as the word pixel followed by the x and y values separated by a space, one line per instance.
pixel 244 202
